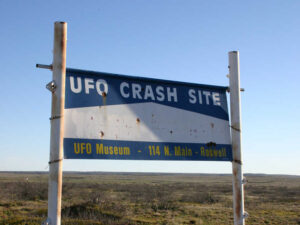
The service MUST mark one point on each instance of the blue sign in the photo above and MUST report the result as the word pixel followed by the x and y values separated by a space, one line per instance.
pixel 110 116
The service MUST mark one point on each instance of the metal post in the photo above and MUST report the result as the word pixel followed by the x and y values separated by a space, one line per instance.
pixel 235 110
pixel 57 87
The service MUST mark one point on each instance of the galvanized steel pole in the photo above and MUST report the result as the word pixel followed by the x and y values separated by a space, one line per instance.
pixel 57 123
pixel 235 110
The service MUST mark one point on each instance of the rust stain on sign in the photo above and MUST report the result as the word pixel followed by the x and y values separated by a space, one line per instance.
pixel 101 133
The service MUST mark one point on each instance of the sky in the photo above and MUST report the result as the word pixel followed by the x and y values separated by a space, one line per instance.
pixel 172 39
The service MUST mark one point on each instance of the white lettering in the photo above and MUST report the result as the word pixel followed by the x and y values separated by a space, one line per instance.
pixel 207 94
pixel 216 98
pixel 136 91
pixel 79 86
pixel 148 93
pixel 192 98
pixel 89 84
pixel 122 86
pixel 172 94
pixel 200 97
pixel 160 93
pixel 98 87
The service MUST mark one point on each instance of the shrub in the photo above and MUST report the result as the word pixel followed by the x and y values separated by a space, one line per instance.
pixel 200 197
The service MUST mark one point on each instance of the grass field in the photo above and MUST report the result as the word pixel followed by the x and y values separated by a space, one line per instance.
pixel 122 198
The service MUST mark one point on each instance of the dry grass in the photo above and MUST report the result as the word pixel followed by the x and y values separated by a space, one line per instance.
pixel 110 198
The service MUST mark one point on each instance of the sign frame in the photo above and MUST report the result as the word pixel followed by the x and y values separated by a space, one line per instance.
pixel 57 87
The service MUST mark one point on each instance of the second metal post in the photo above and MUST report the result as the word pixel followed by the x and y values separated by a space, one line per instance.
pixel 235 112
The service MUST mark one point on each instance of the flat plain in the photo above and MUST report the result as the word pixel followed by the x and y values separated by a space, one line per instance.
pixel 141 198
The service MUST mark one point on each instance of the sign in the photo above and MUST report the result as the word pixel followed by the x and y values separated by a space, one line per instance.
pixel 110 116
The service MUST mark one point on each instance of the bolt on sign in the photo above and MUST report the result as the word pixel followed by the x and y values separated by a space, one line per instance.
pixel 111 116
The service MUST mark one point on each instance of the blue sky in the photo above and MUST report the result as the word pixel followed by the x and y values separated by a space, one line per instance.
pixel 171 39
